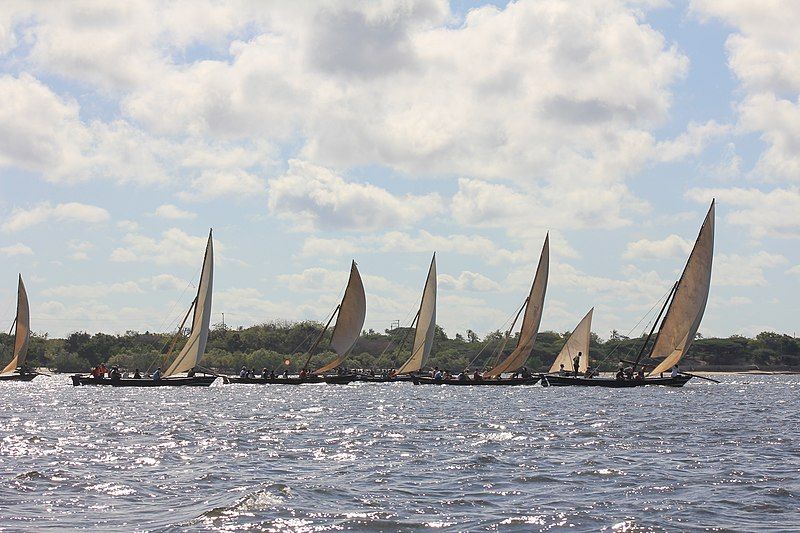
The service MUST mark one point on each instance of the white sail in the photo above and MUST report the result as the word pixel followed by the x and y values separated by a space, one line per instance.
pixel 201 320
pixel 349 321
pixel 688 304
pixel 533 317
pixel 577 343
pixel 426 325
pixel 22 333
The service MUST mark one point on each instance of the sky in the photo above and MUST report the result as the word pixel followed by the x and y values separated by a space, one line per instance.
pixel 307 134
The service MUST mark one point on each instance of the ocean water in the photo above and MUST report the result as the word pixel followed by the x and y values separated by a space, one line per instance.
pixel 398 457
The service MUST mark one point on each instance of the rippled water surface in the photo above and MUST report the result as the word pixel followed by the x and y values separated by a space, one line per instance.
pixel 385 457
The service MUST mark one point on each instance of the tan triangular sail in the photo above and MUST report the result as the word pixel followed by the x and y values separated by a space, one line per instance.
pixel 688 304
pixel 426 325
pixel 531 320
pixel 577 343
pixel 22 334
pixel 195 345
pixel 350 320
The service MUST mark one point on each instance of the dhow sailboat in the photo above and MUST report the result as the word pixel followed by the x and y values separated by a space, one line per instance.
pixel 425 322
pixel 679 327
pixel 184 368
pixel 534 305
pixel 16 370
pixel 350 315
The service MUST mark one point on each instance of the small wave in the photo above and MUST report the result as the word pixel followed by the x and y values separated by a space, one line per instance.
pixel 31 476
pixel 260 500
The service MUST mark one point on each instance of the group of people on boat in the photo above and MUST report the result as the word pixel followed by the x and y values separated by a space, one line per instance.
pixel 102 371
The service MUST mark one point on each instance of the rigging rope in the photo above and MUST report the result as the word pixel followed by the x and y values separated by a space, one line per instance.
pixel 609 354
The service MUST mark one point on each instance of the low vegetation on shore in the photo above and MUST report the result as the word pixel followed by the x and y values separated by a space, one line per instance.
pixel 271 345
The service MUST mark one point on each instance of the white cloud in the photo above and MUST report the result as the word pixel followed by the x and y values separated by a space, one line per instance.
pixel 761 214
pixel 172 212
pixel 128 225
pixel 315 279
pixel 223 182
pixel 545 90
pixel 44 212
pixel 569 205
pixel 40 132
pixel 671 246
pixel 92 291
pixel 744 270
pixel 313 196
pixel 165 282
pixel 174 247
pixel 317 246
pixel 468 281
pixel 794 270
pixel 692 142
pixel 761 53
pixel 475 245
pixel 16 249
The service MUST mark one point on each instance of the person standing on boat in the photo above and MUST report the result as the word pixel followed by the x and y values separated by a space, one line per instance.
pixel 576 363
pixel 157 374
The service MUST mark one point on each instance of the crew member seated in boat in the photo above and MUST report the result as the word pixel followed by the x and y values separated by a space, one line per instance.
pixel 96 372
pixel 437 374
pixel 285 374
pixel 561 371
pixel 157 374
pixel 115 374
pixel 434 371
pixel 674 373
pixel 137 374
pixel 264 374
pixel 462 376
pixel 243 372
pixel 103 369
pixel 640 375
pixel 620 374
pixel 251 373
pixel 303 373
pixel 628 372
pixel 476 376
pixel 524 372
pixel 190 373
pixel 576 363
pixel 589 372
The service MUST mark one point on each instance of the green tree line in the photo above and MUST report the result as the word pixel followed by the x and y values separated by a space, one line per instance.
pixel 273 344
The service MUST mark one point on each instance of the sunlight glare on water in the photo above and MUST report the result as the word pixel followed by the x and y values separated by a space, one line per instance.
pixel 384 457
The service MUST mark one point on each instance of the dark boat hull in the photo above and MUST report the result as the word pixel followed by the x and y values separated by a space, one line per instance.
pixel 384 379
pixel 566 381
pixel 294 380
pixel 18 377
pixel 508 382
pixel 196 381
